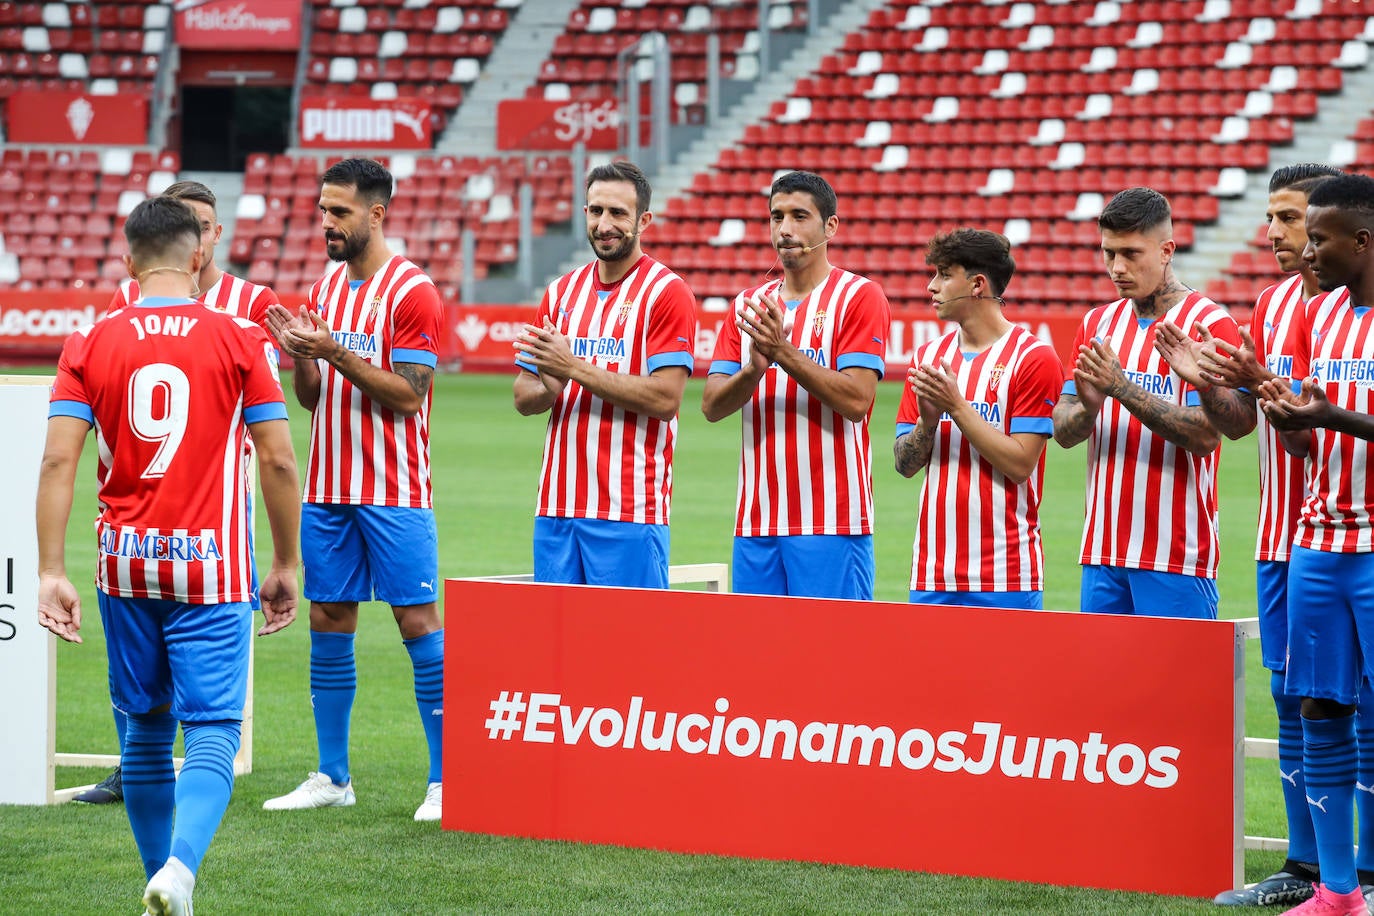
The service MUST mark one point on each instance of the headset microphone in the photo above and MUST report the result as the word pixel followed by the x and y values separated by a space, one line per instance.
pixel 807 249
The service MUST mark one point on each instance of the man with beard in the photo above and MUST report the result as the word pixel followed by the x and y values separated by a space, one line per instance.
pixel 365 350
pixel 800 360
pixel 1150 535
pixel 608 356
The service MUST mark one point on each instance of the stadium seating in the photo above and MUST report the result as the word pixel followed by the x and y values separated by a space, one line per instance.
pixel 101 47
pixel 1022 117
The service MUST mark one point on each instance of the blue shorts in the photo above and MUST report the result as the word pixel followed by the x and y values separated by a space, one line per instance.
pixel 1330 623
pixel 191 656
pixel 1118 590
pixel 1271 587
pixel 355 552
pixel 593 551
pixel 1023 601
pixel 804 566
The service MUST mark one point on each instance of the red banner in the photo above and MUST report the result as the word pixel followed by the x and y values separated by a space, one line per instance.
pixel 1072 749
pixel 534 124
pixel 353 121
pixel 485 332
pixel 59 116
pixel 37 323
pixel 248 25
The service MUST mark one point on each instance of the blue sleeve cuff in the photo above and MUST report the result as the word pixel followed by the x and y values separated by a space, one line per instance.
pixel 724 367
pixel 419 357
pixel 78 409
pixel 1296 385
pixel 866 360
pixel 1042 425
pixel 904 428
pixel 1193 399
pixel 273 410
pixel 528 367
pixel 1070 387
pixel 671 358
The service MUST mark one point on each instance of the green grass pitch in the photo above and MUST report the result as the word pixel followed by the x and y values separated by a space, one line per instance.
pixel 372 858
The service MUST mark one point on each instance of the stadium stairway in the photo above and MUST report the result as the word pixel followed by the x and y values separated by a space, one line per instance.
pixel 1313 141
pixel 510 69
pixel 702 154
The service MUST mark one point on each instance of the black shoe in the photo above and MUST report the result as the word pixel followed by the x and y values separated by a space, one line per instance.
pixel 109 791
pixel 1275 889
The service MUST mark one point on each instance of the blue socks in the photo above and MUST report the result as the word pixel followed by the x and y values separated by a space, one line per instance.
pixel 203 787
pixel 1329 761
pixel 427 657
pixel 1364 784
pixel 1302 841
pixel 149 785
pixel 333 684
pixel 121 727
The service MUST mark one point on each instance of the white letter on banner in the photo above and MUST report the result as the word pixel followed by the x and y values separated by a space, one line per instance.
pixel 772 729
pixel 1026 766
pixel 867 737
pixel 717 725
pixel 742 748
pixel 572 731
pixel 632 721
pixel 1163 772
pixel 600 736
pixel 536 716
pixel 921 760
pixel 1093 749
pixel 684 733
pixel 662 741
pixel 1121 776
pixel 990 731
pixel 1054 746
pixel 826 731
pixel 951 747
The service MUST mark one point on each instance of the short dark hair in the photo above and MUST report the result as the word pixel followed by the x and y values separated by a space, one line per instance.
pixel 191 190
pixel 624 171
pixel 1136 210
pixel 1353 193
pixel 807 183
pixel 977 251
pixel 157 226
pixel 1302 177
pixel 368 177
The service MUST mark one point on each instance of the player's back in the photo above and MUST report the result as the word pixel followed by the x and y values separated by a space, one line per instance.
pixel 167 382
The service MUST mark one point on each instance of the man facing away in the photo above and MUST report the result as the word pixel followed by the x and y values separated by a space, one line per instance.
pixel 172 390
pixel 365 352
pixel 800 359
pixel 1150 534
pixel 218 290
pixel 975 414
pixel 608 357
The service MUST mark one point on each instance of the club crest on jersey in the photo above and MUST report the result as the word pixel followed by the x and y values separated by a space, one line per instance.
pixel 818 323
pixel 376 304
pixel 995 376
pixel 625 309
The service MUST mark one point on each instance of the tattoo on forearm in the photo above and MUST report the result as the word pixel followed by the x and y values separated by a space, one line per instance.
pixel 913 450
pixel 1232 412
pixel 1072 423
pixel 417 375
pixel 1186 427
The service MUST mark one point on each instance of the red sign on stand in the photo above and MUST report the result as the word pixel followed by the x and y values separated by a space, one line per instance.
pixel 352 121
pixel 249 25
pixel 59 116
pixel 534 124
pixel 1083 750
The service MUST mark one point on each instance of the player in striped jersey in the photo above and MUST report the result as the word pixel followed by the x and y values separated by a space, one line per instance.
pixel 218 290
pixel 801 361
pixel 1150 536
pixel 1331 564
pixel 608 357
pixel 214 287
pixel 172 390
pixel 975 414
pixel 1226 378
pixel 365 352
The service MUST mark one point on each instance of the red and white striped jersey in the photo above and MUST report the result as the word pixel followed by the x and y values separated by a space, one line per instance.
pixel 170 387
pixel 976 529
pixel 804 468
pixel 229 294
pixel 1339 354
pixel 600 460
pixel 362 453
pixel 1276 326
pixel 1151 504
